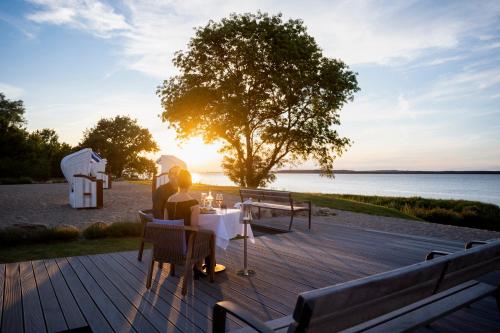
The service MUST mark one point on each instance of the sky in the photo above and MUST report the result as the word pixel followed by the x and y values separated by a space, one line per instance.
pixel 429 72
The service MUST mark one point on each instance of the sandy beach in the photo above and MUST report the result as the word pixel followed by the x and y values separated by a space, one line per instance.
pixel 48 204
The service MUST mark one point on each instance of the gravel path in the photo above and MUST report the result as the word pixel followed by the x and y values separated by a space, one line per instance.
pixel 48 204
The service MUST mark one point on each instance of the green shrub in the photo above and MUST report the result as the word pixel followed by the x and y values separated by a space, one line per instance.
pixel 465 213
pixel 12 235
pixel 12 181
pixel 95 230
pixel 439 215
pixel 124 229
pixel 64 233
pixel 19 235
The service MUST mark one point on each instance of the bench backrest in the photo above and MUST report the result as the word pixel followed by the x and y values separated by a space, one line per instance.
pixel 265 195
pixel 345 305
pixel 467 265
pixel 338 307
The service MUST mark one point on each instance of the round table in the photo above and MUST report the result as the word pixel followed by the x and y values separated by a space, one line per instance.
pixel 226 225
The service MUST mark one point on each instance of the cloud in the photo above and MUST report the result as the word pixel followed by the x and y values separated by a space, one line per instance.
pixel 364 32
pixel 464 84
pixel 92 16
pixel 11 91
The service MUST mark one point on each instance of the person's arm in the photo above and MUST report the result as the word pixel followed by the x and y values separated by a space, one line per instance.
pixel 195 215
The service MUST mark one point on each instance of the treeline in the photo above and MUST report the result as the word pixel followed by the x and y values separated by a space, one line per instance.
pixel 27 156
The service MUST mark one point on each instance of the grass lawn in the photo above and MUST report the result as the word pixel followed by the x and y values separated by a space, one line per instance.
pixel 67 249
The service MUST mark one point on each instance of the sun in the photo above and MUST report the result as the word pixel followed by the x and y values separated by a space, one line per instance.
pixel 199 157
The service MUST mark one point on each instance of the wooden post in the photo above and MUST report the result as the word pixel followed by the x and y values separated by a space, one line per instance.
pixel 99 194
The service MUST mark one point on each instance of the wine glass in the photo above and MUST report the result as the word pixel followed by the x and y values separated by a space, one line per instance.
pixel 203 200
pixel 219 199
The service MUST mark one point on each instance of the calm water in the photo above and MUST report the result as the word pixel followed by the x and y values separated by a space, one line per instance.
pixel 485 188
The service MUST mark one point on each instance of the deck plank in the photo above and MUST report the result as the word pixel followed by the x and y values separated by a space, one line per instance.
pixel 69 307
pixel 184 321
pixel 114 317
pixel 54 317
pixel 164 285
pixel 90 311
pixel 34 320
pixel 137 298
pixel 12 320
pixel 134 317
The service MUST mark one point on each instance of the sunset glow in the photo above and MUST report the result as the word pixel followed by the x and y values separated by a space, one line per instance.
pixel 199 157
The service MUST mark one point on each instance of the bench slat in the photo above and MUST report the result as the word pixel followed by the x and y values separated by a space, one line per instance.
pixel 278 206
pixel 412 307
pixel 276 324
pixel 435 310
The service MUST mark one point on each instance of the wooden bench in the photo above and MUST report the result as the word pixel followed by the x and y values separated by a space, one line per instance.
pixel 267 199
pixel 396 301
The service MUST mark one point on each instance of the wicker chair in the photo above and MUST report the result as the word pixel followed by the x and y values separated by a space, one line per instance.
pixel 168 247
pixel 145 216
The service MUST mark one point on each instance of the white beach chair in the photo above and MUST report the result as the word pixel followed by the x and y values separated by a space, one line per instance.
pixel 166 162
pixel 98 170
pixel 85 191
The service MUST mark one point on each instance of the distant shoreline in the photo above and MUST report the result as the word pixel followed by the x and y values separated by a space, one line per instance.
pixel 385 172
pixel 390 172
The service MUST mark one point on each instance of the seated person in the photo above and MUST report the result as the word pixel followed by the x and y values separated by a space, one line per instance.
pixel 183 206
pixel 163 192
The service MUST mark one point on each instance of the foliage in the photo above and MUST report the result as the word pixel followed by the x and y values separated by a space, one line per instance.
pixel 116 229
pixel 464 213
pixel 124 229
pixel 95 230
pixel 22 154
pixel 262 87
pixel 67 249
pixel 121 141
pixel 12 181
pixel 16 235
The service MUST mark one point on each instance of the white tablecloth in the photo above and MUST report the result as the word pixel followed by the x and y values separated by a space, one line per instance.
pixel 225 226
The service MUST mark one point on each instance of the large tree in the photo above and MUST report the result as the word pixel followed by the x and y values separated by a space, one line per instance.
pixel 262 87
pixel 22 154
pixel 122 141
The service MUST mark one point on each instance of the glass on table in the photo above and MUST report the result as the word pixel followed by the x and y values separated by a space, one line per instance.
pixel 203 202
pixel 219 199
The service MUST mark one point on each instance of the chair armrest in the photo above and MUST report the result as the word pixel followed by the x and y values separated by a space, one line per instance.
pixel 220 311
pixel 432 254
pixel 470 244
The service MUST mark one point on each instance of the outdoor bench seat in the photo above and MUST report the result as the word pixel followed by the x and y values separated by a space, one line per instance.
pixel 287 203
pixel 400 300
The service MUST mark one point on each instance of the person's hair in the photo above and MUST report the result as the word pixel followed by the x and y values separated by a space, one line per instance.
pixel 184 179
pixel 174 170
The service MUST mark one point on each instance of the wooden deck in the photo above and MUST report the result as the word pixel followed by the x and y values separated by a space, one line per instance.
pixel 107 292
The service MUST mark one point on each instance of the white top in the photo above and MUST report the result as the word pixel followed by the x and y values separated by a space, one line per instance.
pixel 225 226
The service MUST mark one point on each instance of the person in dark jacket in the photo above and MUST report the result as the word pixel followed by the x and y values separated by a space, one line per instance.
pixel 165 191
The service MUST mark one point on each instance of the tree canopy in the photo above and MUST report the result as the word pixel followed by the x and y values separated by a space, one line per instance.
pixel 22 154
pixel 262 87
pixel 122 141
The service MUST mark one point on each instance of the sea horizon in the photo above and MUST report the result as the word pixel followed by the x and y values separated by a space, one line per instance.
pixel 482 187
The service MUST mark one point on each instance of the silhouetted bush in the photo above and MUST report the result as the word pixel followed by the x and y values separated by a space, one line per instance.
pixel 124 229
pixel 95 230
pixel 463 213
pixel 12 180
pixel 36 234
pixel 63 233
